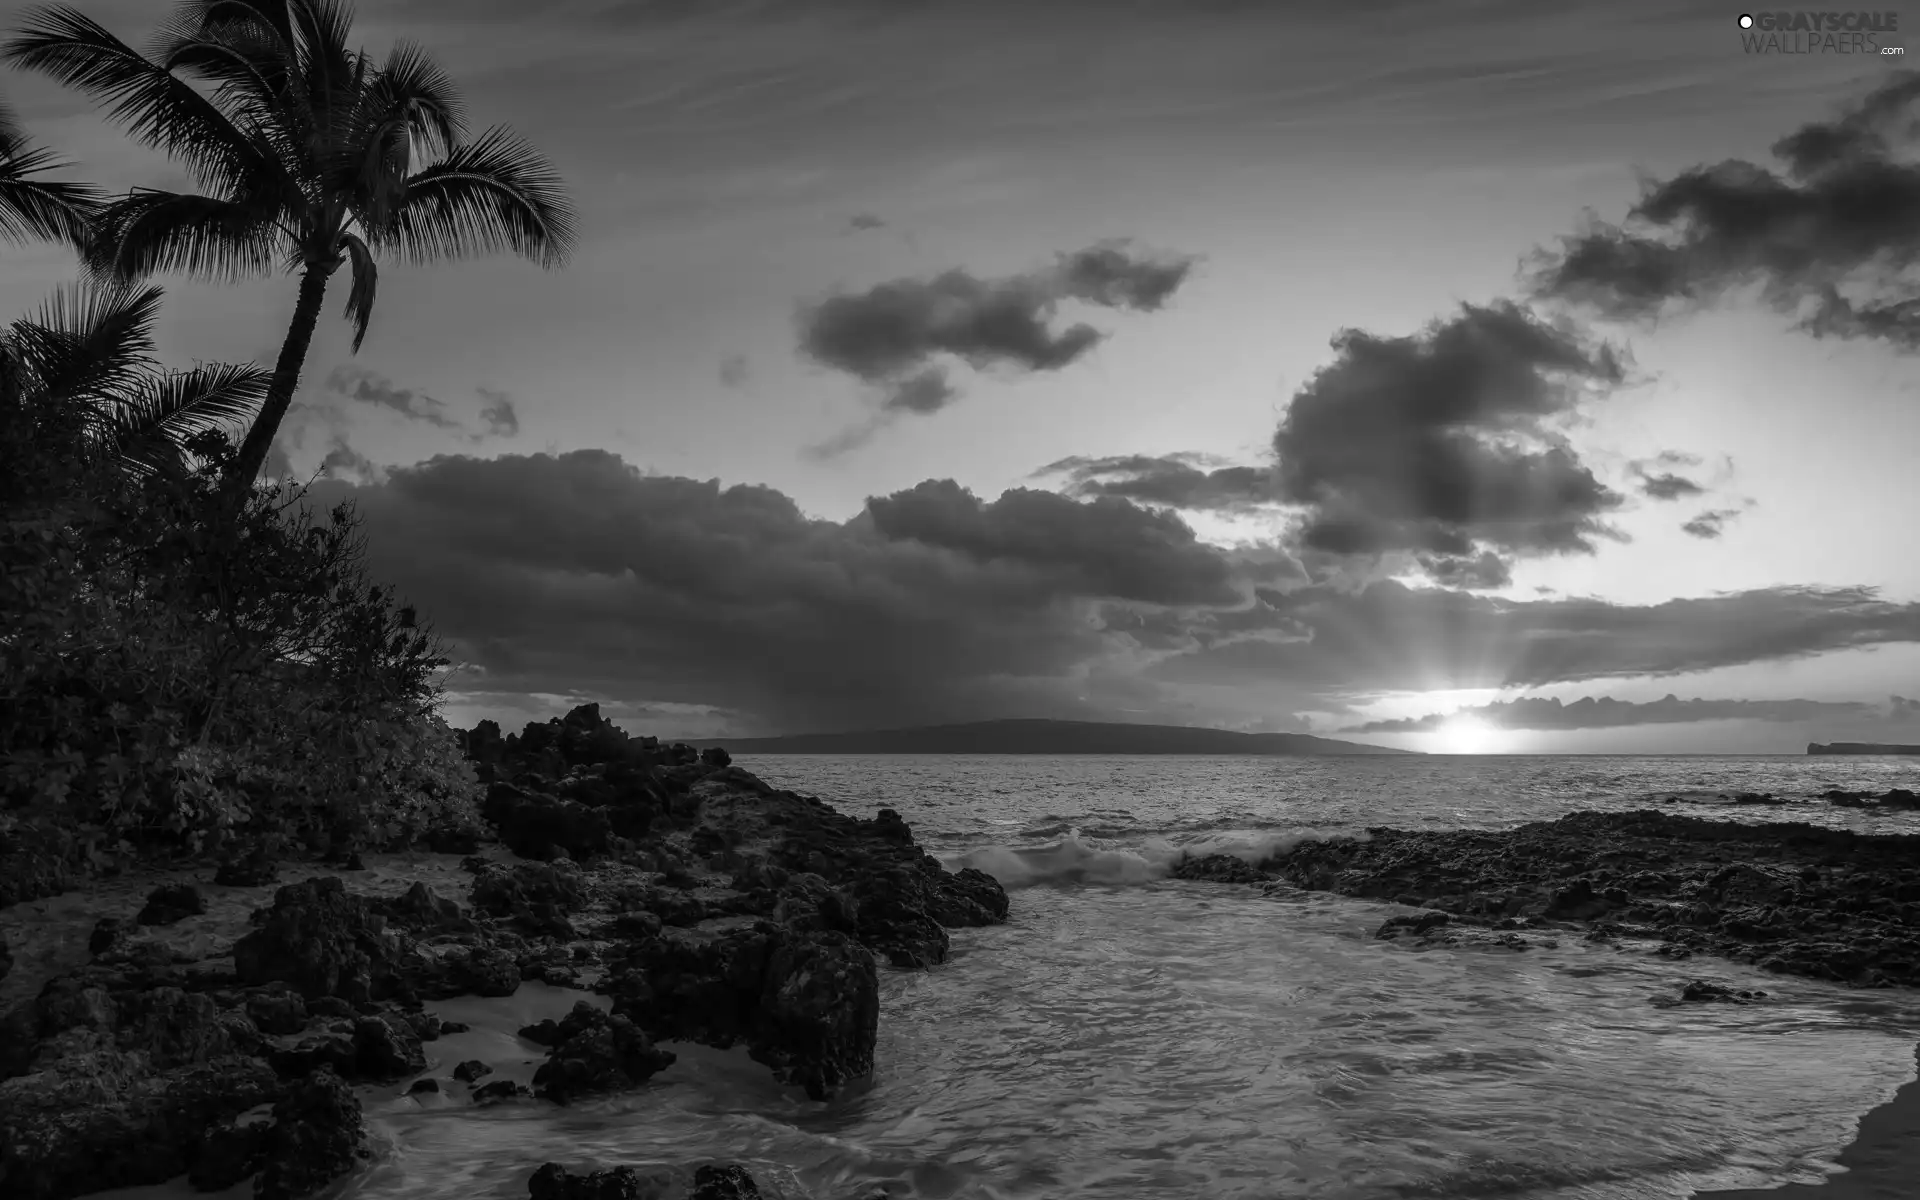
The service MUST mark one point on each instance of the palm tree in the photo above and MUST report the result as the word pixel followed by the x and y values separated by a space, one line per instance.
pixel 80 378
pixel 310 156
pixel 34 209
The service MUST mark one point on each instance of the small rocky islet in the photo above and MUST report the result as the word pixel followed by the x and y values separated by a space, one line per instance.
pixel 705 904
pixel 1789 897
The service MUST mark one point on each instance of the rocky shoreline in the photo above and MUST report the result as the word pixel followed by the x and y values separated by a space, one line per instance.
pixel 1788 897
pixel 216 1026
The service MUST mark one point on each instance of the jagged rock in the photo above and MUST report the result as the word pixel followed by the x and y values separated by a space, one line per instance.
pixel 387 1048
pixel 107 932
pixel 554 1182
pixel 805 1004
pixel 102 1119
pixel 1790 897
pixel 420 909
pixel 543 827
pixel 715 756
pixel 716 1181
pixel 6 956
pixel 324 942
pixel 317 1137
pixel 1219 868
pixel 471 1070
pixel 499 1089
pixel 593 1053
pixel 228 1155
pixel 172 903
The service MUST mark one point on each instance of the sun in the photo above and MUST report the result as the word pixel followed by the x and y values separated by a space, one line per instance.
pixel 1467 735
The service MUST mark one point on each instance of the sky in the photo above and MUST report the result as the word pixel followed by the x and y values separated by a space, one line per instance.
pixel 1454 376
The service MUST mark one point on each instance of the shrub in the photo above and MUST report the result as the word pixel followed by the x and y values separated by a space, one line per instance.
pixel 174 678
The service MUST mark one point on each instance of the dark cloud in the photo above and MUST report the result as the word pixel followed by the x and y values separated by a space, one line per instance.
pixel 1177 480
pixel 1111 275
pixel 1710 524
pixel 1443 443
pixel 501 418
pixel 1105 547
pixel 1486 572
pixel 1604 712
pixel 1900 708
pixel 863 221
pixel 576 574
pixel 734 370
pixel 370 387
pixel 1830 236
pixel 1388 636
pixel 342 461
pixel 895 334
pixel 1667 486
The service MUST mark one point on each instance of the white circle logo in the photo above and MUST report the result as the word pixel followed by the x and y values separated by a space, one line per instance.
pixel 1746 22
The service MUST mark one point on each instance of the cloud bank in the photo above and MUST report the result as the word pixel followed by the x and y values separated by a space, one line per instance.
pixel 578 573
pixel 1604 712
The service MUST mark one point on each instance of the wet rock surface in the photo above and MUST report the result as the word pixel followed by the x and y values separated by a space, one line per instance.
pixel 1788 897
pixel 706 904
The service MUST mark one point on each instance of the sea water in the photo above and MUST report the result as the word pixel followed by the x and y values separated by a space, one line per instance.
pixel 1126 1035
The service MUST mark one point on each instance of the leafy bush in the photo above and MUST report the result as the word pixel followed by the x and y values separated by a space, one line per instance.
pixel 172 677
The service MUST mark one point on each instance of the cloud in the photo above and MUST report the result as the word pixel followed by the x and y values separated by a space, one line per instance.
pixel 1829 236
pixel 499 415
pixel 1710 524
pixel 1604 712
pixel 578 574
pixel 895 336
pixel 864 221
pixel 734 370
pixel 1392 637
pixel 503 421
pixel 1442 442
pixel 1667 486
pixel 1486 572
pixel 370 387
pixel 1177 480
pixel 342 461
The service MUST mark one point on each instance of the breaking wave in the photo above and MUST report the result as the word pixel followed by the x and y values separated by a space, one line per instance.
pixel 1081 856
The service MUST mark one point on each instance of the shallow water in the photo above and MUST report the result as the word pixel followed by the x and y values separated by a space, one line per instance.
pixel 1130 1036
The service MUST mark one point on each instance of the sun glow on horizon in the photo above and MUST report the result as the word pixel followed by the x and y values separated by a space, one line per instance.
pixel 1467 735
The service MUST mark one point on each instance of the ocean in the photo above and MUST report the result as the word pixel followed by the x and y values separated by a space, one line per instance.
pixel 1125 1035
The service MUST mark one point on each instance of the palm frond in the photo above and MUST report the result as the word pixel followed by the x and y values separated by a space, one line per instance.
pixel 157 108
pixel 51 210
pixel 366 277
pixel 413 89
pixel 495 193
pixel 88 341
pixel 147 427
pixel 150 231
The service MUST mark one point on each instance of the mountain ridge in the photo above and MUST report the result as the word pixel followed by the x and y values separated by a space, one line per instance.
pixel 1042 736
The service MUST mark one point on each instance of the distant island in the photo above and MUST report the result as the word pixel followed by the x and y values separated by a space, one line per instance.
pixel 1047 737
pixel 1860 748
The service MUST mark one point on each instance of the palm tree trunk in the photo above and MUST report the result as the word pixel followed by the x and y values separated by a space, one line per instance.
pixel 286 377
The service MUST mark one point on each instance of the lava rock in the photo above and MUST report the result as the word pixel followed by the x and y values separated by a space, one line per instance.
pixel 723 1182
pixel 317 1137
pixel 172 903
pixel 323 941
pixel 554 1182
pixel 594 1053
